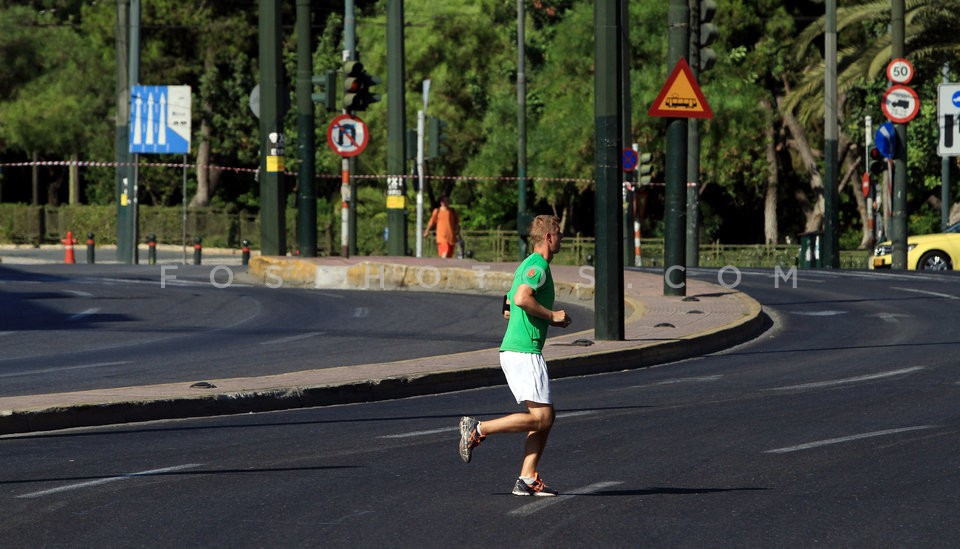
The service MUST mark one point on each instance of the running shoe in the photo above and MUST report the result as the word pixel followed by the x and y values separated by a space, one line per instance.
pixel 469 439
pixel 538 488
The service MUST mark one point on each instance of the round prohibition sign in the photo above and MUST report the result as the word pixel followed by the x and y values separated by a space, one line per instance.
pixel 900 71
pixel 347 135
pixel 900 104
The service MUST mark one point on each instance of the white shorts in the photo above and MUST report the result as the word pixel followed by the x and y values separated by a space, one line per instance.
pixel 527 376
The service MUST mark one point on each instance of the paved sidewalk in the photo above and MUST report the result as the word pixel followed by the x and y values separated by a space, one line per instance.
pixel 658 329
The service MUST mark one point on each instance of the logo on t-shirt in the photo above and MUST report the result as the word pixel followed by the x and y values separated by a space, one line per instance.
pixel 535 277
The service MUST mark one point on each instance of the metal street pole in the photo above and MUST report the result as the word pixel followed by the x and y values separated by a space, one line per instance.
pixel 348 185
pixel 421 128
pixel 831 240
pixel 608 292
pixel 898 227
pixel 522 217
pixel 626 127
pixel 131 190
pixel 675 194
pixel 306 184
pixel 945 173
pixel 693 148
pixel 396 131
pixel 272 142
pixel 122 140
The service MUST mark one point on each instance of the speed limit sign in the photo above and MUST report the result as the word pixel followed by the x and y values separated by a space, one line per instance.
pixel 900 71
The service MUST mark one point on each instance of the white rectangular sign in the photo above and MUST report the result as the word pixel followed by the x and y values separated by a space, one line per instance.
pixel 948 118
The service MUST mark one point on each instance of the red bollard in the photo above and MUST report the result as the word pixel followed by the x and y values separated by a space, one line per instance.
pixel 68 251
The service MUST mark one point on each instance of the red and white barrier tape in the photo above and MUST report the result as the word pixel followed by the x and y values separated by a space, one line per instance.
pixel 94 164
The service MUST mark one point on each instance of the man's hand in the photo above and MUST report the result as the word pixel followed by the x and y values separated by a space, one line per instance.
pixel 560 319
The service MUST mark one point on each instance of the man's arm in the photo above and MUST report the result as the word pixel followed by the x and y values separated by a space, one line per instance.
pixel 524 299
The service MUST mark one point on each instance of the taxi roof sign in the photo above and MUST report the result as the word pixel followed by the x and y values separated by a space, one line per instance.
pixel 681 96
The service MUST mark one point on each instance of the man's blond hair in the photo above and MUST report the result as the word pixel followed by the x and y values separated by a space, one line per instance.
pixel 541 226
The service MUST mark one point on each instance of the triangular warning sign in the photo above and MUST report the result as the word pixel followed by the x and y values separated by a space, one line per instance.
pixel 681 96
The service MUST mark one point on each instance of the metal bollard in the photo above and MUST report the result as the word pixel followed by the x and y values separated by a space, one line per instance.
pixel 152 248
pixel 91 255
pixel 197 250
pixel 246 252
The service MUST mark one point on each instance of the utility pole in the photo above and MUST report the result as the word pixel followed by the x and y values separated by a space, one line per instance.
pixel 348 186
pixel 693 148
pixel 898 229
pixel 523 218
pixel 945 197
pixel 626 123
pixel 272 142
pixel 396 131
pixel 608 292
pixel 675 194
pixel 831 219
pixel 306 184
pixel 122 142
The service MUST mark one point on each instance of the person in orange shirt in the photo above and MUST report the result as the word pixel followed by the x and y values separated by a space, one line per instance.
pixel 448 227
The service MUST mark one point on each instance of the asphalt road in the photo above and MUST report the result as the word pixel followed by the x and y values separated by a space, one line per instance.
pixel 76 327
pixel 837 428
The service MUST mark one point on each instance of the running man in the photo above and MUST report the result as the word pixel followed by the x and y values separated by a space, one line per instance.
pixel 531 313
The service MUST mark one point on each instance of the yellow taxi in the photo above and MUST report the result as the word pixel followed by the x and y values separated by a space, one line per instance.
pixel 925 252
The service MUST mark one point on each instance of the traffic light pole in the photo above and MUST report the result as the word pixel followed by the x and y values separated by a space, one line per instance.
pixel 396 131
pixel 608 293
pixel 693 148
pixel 675 194
pixel 348 219
pixel 831 198
pixel 898 227
pixel 272 195
pixel 306 142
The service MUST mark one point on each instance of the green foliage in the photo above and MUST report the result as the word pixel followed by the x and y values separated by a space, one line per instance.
pixel 57 99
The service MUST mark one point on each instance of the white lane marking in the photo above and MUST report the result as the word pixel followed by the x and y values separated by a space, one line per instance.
pixel 84 314
pixel 672 382
pixel 924 292
pixel 107 480
pixel 412 434
pixel 850 438
pixel 291 338
pixel 64 368
pixel 78 293
pixel 361 312
pixel 891 317
pixel 541 503
pixel 857 379
pixel 817 313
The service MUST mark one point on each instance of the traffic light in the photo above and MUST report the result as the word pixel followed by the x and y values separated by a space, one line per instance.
pixel 410 144
pixel 436 137
pixel 645 169
pixel 356 87
pixel 708 34
pixel 328 90
pixel 877 162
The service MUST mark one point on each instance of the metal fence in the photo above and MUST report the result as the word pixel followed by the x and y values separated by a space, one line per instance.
pixel 21 224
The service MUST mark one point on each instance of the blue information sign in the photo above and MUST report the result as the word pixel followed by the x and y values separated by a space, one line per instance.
pixel 886 140
pixel 160 119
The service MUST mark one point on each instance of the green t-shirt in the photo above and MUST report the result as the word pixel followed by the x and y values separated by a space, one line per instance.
pixel 525 333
